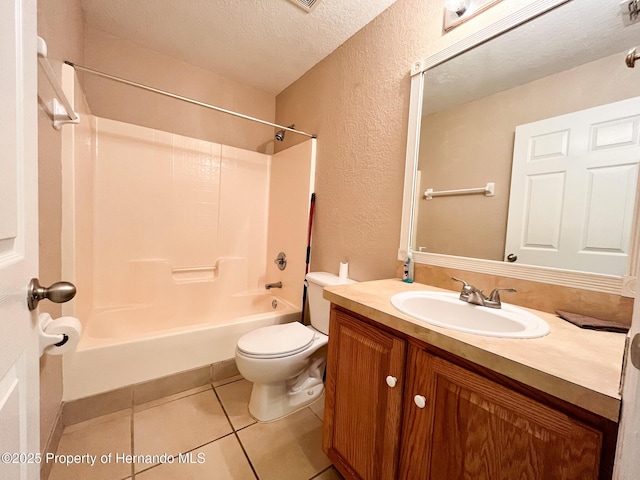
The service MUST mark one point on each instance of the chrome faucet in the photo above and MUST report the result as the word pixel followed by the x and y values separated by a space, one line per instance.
pixel 269 286
pixel 471 294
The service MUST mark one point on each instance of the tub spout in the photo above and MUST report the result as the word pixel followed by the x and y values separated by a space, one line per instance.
pixel 269 286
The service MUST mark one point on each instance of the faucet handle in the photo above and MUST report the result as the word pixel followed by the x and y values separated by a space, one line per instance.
pixel 464 284
pixel 494 296
pixel 464 292
pixel 469 293
pixel 467 288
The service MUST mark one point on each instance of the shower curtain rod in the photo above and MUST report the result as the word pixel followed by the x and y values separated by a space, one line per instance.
pixel 184 99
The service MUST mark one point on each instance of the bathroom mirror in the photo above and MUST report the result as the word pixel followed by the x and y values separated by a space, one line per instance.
pixel 542 67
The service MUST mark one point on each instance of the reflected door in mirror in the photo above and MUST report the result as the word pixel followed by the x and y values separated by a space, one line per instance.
pixel 573 189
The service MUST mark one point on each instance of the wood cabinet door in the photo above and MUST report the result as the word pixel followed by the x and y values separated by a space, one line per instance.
pixel 362 411
pixel 474 428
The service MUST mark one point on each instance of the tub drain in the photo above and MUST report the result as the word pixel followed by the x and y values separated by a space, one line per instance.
pixel 274 304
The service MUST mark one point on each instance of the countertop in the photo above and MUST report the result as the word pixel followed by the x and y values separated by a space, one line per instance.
pixel 579 366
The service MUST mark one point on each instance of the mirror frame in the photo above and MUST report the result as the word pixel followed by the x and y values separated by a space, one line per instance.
pixel 611 284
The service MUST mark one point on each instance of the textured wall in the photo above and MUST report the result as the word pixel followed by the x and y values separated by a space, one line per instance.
pixel 60 23
pixel 357 102
pixel 133 62
pixel 481 232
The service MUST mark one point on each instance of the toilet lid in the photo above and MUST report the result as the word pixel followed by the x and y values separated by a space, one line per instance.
pixel 276 340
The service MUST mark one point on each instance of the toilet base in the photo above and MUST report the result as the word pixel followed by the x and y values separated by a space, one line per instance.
pixel 271 402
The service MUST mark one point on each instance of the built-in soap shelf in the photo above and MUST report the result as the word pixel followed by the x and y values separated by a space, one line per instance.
pixel 194 274
pixel 51 96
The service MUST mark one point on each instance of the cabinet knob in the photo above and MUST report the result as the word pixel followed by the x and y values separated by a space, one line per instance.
pixel 392 381
pixel 420 401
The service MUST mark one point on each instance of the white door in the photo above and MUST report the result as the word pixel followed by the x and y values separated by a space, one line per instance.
pixel 19 356
pixel 628 448
pixel 573 189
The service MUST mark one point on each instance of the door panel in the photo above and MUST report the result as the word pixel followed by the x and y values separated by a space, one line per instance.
pixel 19 365
pixel 474 428
pixel 609 189
pixel 543 210
pixel 573 189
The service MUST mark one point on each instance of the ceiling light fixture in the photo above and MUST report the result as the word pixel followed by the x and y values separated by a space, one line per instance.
pixel 306 5
pixel 459 11
pixel 456 6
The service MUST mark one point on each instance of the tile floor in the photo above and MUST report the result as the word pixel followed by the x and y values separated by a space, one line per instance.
pixel 210 426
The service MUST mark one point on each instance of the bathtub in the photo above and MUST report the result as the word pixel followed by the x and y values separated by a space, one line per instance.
pixel 128 344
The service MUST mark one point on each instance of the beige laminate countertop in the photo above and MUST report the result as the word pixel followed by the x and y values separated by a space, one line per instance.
pixel 577 365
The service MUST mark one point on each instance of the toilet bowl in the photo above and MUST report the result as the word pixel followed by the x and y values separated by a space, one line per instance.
pixel 286 362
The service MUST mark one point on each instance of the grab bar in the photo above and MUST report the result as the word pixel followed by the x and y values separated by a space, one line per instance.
pixel 488 191
pixel 211 268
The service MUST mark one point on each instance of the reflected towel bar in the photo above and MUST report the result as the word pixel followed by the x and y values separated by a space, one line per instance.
pixel 488 191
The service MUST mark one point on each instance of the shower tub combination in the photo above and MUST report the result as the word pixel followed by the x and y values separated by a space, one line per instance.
pixel 169 252
pixel 130 344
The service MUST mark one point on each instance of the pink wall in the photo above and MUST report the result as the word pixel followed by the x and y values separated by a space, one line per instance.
pixel 357 101
pixel 61 24
pixel 133 62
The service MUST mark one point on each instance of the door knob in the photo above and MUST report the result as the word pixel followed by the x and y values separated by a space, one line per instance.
pixel 420 401
pixel 631 58
pixel 59 292
pixel 635 351
pixel 392 381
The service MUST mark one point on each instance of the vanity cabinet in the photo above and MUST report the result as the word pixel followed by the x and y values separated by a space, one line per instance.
pixel 444 419
pixel 473 427
pixel 364 384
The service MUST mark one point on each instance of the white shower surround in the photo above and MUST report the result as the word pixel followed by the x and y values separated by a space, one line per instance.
pixel 139 351
pixel 169 240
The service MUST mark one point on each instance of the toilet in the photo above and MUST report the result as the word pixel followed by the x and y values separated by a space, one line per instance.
pixel 286 362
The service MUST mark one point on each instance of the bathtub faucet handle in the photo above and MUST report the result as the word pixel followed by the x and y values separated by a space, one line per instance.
pixel 269 286
pixel 281 261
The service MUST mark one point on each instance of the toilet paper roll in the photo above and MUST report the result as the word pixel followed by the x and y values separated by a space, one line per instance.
pixel 60 335
pixel 344 270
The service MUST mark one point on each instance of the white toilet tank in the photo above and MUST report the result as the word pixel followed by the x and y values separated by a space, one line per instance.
pixel 319 308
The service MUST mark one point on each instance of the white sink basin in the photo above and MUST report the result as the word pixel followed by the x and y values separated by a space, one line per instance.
pixel 448 311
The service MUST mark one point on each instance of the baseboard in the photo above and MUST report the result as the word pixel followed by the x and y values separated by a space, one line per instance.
pixel 51 446
pixel 87 408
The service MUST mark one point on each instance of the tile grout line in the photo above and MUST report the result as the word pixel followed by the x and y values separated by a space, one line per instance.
pixel 211 387
pixel 233 432
pixel 322 472
pixel 188 451
pixel 215 392
pixel 168 401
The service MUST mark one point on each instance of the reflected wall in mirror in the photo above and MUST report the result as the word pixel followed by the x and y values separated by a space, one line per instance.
pixel 567 60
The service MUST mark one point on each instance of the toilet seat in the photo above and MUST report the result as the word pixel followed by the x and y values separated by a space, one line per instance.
pixel 276 341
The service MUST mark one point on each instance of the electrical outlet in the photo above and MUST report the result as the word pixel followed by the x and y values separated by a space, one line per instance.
pixel 630 11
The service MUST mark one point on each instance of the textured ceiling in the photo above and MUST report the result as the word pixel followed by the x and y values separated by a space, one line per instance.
pixel 267 44
pixel 578 32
